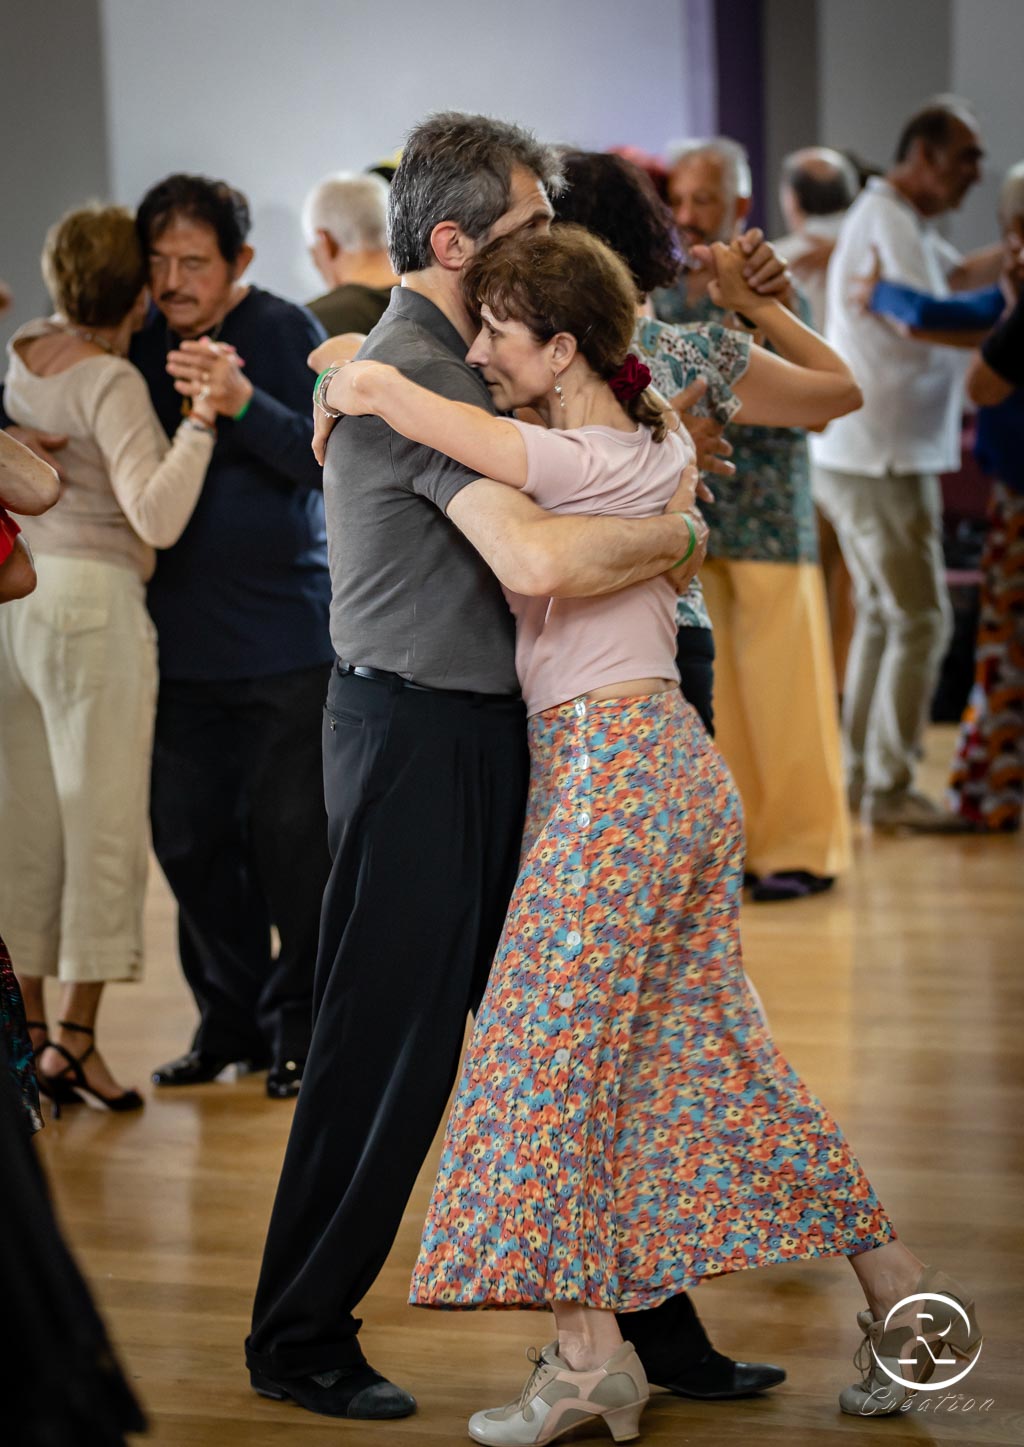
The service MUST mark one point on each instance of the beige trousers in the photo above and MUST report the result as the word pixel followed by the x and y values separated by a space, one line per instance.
pixel 775 712
pixel 77 702
pixel 890 531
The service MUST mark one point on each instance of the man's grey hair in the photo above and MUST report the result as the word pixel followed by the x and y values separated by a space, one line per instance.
pixel 458 168
pixel 1011 195
pixel 730 154
pixel 352 208
pixel 822 180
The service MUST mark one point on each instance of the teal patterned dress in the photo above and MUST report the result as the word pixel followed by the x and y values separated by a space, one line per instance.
pixel 677 356
pixel 766 513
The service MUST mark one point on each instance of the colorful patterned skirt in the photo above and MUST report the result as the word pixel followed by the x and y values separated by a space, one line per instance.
pixel 987 782
pixel 624 1125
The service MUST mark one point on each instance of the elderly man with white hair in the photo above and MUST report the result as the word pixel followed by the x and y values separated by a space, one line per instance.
pixel 775 708
pixel 345 221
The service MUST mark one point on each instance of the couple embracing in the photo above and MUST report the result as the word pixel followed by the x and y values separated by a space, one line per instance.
pixel 503 618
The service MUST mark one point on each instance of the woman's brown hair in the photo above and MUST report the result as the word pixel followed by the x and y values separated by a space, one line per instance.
pixel 565 280
pixel 93 265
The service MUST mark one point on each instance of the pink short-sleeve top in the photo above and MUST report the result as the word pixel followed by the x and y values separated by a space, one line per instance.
pixel 568 646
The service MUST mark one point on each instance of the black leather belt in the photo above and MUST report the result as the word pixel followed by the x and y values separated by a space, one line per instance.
pixel 381 675
pixel 395 680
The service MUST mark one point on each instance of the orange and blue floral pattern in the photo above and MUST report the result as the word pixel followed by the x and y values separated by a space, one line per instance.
pixel 625 1125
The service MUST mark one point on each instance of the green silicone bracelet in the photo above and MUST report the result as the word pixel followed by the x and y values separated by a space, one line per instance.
pixel 693 542
pixel 237 416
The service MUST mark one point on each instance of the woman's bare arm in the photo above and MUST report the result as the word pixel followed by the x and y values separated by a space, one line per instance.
pixel 488 445
pixel 807 384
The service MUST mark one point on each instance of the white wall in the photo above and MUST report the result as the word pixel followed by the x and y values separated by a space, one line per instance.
pixel 878 60
pixel 273 95
pixel 988 48
pixel 54 136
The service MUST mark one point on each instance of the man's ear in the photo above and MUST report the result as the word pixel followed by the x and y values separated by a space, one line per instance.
pixel 327 243
pixel 451 246
pixel 743 204
pixel 242 262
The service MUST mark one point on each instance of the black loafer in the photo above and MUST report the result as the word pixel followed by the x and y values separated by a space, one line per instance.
pixel 357 1392
pixel 195 1068
pixel 283 1080
pixel 717 1378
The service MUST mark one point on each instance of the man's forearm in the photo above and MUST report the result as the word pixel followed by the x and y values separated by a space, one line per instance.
pixel 542 554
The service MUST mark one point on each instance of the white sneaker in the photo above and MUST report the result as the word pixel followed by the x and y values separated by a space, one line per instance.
pixel 556 1399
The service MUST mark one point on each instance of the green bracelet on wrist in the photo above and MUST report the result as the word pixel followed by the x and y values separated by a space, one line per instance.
pixel 237 416
pixel 693 541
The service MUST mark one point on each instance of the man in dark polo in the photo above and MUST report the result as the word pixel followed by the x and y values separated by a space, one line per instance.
pixel 425 768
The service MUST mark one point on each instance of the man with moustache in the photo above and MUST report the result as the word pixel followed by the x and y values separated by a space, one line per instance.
pixel 240 605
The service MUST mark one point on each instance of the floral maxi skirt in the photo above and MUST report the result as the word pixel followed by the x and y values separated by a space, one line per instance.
pixel 624 1125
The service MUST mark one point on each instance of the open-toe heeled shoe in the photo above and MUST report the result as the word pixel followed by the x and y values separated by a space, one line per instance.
pixel 64 1088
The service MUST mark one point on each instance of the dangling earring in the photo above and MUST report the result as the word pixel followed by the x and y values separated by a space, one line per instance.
pixel 560 395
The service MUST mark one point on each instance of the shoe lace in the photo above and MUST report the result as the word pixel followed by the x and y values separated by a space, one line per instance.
pixel 539 1366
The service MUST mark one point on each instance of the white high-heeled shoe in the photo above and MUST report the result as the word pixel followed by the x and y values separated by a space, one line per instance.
pixel 556 1399
pixel 908 1350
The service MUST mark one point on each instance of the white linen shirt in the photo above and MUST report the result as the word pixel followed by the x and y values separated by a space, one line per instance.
pixel 913 393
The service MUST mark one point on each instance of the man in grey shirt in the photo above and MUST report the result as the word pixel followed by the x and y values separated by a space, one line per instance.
pixel 425 769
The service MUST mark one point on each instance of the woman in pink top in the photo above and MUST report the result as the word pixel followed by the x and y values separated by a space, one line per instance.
pixel 624 1126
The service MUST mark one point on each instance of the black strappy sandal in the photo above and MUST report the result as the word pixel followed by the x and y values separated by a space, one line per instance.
pixel 63 1089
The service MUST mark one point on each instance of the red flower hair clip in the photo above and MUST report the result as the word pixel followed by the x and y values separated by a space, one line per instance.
pixel 631 379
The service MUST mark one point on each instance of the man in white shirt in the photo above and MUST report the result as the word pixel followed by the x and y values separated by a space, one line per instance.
pixel 877 469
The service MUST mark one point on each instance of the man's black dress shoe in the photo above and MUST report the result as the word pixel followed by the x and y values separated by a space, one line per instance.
pixel 284 1079
pixel 347 1392
pixel 718 1379
pixel 195 1068
pixel 677 1355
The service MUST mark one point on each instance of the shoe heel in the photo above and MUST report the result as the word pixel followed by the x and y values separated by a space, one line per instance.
pixel 624 1422
pixel 266 1388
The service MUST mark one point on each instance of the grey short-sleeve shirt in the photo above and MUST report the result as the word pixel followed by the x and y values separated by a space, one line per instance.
pixel 408 592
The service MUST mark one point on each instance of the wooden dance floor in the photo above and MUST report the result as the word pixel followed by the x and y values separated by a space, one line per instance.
pixel 900 998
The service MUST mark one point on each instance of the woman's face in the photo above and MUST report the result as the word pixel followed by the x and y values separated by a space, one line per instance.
pixel 515 365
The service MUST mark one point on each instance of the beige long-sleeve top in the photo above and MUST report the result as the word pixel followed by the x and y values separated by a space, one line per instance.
pixel 127 490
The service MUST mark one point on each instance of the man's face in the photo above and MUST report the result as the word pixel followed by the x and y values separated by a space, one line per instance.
pixel 190 280
pixel 700 203
pixel 956 166
pixel 528 209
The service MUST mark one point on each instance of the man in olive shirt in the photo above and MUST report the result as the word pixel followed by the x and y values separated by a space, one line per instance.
pixel 425 769
pixel 345 219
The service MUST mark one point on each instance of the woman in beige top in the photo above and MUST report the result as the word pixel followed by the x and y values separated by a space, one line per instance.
pixel 78 656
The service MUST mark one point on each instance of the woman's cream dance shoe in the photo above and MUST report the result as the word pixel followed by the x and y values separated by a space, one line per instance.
pixel 910 1346
pixel 556 1399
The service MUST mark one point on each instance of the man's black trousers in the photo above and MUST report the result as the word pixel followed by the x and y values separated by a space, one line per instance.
pixel 425 794
pixel 240 830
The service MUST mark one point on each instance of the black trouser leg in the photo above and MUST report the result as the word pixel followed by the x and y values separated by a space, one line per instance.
pixel 199 839
pixel 287 827
pixel 695 659
pixel 425 799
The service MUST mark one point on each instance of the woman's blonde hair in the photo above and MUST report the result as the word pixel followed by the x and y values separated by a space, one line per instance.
pixel 93 265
